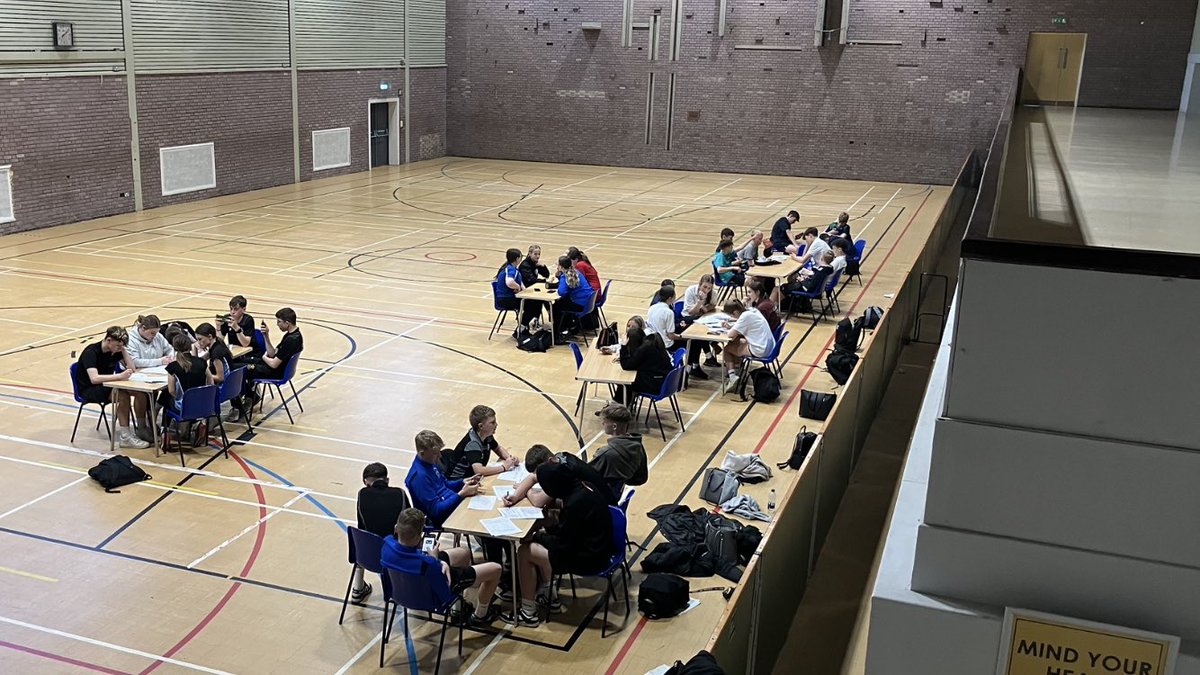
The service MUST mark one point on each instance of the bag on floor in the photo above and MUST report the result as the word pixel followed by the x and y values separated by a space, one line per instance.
pixel 747 468
pixel 840 364
pixel 815 405
pixel 537 341
pixel 117 471
pixel 608 336
pixel 719 486
pixel 871 317
pixel 662 596
pixel 700 664
pixel 720 538
pixel 846 335
pixel 804 442
pixel 766 385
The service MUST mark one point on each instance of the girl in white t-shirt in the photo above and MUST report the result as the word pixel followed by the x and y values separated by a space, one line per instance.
pixel 750 335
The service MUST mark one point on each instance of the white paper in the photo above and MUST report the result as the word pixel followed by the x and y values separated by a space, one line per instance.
pixel 147 377
pixel 661 670
pixel 154 370
pixel 482 503
pixel 522 513
pixel 500 527
pixel 502 491
pixel 692 604
pixel 515 475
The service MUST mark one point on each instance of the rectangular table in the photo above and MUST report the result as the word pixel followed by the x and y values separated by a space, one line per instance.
pixel 600 368
pixel 538 293
pixel 701 333
pixel 468 521
pixel 239 351
pixel 778 272
pixel 150 390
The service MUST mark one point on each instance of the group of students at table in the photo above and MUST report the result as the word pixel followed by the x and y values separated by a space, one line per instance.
pixel 190 357
pixel 578 285
pixel 575 534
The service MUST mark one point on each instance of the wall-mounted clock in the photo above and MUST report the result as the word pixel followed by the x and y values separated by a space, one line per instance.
pixel 64 34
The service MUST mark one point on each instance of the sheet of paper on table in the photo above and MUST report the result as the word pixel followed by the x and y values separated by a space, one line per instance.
pixel 154 370
pixel 522 513
pixel 515 475
pixel 500 527
pixel 661 670
pixel 713 321
pixel 482 503
pixel 502 491
pixel 148 377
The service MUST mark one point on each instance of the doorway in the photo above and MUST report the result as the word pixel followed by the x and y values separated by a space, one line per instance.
pixel 383 127
pixel 1053 65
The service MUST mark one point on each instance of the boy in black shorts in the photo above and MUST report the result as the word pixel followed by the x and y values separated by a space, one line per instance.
pixel 271 364
pixel 98 364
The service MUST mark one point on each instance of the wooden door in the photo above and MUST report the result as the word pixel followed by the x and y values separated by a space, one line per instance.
pixel 1053 64
pixel 1072 66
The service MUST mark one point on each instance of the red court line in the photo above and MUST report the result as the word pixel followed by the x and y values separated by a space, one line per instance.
pixel 61 658
pixel 786 407
pixel 262 532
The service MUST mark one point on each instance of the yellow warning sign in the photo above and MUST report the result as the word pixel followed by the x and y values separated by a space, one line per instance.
pixel 1043 644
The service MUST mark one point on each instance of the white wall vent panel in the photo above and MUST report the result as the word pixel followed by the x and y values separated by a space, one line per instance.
pixel 331 148
pixel 6 205
pixel 349 34
pixel 427 32
pixel 182 36
pixel 187 168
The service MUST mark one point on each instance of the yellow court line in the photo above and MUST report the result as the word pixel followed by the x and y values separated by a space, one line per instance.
pixel 21 382
pixel 180 488
pixel 63 466
pixel 290 426
pixel 29 575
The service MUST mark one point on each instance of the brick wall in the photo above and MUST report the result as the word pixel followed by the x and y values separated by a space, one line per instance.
pixel 67 140
pixel 428 110
pixel 526 83
pixel 248 117
pixel 331 99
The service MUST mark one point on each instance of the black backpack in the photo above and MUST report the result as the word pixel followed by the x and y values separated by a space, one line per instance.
pixel 816 405
pixel 540 341
pixel 766 385
pixel 608 336
pixel 116 472
pixel 871 317
pixel 804 442
pixel 700 664
pixel 847 334
pixel 661 596
pixel 840 364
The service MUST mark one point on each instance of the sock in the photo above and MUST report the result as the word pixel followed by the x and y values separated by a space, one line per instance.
pixel 481 611
pixel 544 590
pixel 124 428
pixel 359 581
pixel 528 606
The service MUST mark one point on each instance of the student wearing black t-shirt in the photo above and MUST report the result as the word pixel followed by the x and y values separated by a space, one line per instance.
pixel 98 364
pixel 218 355
pixel 271 364
pixel 379 506
pixel 185 372
pixel 781 234
pixel 474 452
pixel 238 329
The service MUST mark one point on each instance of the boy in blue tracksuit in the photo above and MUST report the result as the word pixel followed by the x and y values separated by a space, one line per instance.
pixel 435 496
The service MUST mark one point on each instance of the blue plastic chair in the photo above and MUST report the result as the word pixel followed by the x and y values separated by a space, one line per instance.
pixel 364 549
pixel 231 389
pixel 425 592
pixel 831 292
pixel 861 247
pixel 501 311
pixel 725 290
pixel 583 386
pixel 617 563
pixel 677 357
pixel 579 316
pixel 289 371
pixel 670 387
pixel 259 341
pixel 198 405
pixel 771 361
pixel 811 295
pixel 600 303
pixel 79 399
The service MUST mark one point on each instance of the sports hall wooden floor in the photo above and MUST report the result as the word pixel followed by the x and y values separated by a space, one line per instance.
pixel 239 565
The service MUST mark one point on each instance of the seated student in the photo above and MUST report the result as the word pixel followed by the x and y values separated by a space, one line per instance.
pixel 813 281
pixel 726 264
pixel 98 364
pixel 622 461
pixel 656 298
pixel 750 335
pixel 173 328
pixel 427 485
pixel 838 228
pixel 763 303
pixel 531 269
pixel 726 233
pixel 379 506
pixel 747 255
pixel 851 253
pixel 574 295
pixel 237 327
pixel 840 254
pixel 584 266
pixel 473 453
pixel 402 551
pixel 510 283
pixel 271 364
pixel 644 354
pixel 698 300
pixel 148 348
pixel 218 355
pixel 661 320
pixel 185 372
pixel 781 234
pixel 580 543
pixel 538 455
pixel 814 250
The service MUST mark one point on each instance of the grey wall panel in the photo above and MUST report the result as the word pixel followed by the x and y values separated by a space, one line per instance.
pixel 27 41
pixel 427 32
pixel 349 34
pixel 210 35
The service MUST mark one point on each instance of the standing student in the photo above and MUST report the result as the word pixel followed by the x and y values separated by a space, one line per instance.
pixel 726 264
pixel 237 327
pixel 815 249
pixel 473 454
pixel 148 348
pixel 379 506
pixel 584 266
pixel 838 228
pixel 97 364
pixel 750 335
pixel 532 270
pixel 781 234
pixel 622 460
pixel 645 355
pixel 574 294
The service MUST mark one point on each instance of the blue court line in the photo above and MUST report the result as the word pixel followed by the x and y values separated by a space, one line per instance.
pixel 408 643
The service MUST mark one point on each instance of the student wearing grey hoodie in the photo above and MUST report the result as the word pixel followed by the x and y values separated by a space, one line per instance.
pixel 147 348
pixel 623 460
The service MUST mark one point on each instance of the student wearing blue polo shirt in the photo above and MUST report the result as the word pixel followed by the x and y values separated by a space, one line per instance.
pixel 509 282
pixel 427 485
pixel 574 292
pixel 404 551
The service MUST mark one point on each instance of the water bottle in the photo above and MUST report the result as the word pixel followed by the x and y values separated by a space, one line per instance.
pixel 771 502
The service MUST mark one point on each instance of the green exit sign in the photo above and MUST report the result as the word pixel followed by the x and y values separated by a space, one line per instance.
pixel 1060 20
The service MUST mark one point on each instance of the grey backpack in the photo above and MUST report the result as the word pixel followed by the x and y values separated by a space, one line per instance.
pixel 720 538
pixel 719 486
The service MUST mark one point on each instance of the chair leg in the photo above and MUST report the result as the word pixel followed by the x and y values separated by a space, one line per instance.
pixel 295 395
pixel 579 399
pixel 661 430
pixel 441 643
pixel 224 438
pixel 463 608
pixel 285 405
pixel 346 600
pixel 497 323
pixel 678 415
pixel 76 427
pixel 104 419
pixel 387 629
pixel 604 625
